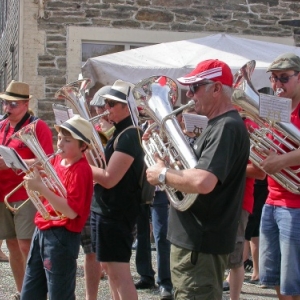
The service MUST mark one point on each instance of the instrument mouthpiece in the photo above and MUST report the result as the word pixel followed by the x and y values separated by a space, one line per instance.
pixel 278 91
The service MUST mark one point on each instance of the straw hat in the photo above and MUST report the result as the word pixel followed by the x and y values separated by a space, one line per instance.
pixel 98 99
pixel 16 91
pixel 80 129
pixel 119 91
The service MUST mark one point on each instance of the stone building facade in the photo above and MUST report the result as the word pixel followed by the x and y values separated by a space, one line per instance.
pixel 41 40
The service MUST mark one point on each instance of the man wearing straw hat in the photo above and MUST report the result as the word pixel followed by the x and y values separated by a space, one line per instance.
pixel 17 229
pixel 116 204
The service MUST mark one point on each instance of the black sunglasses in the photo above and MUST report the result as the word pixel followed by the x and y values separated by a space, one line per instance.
pixel 282 79
pixel 110 103
pixel 194 87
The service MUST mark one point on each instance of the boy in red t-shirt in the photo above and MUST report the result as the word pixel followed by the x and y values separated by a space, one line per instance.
pixel 51 266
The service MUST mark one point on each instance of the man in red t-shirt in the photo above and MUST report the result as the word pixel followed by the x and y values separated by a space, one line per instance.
pixel 279 251
pixel 17 228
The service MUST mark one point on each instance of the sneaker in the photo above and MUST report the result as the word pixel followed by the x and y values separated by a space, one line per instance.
pixel 16 296
pixel 226 286
pixel 248 265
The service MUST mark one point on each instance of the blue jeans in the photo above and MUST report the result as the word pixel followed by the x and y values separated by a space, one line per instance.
pixel 51 265
pixel 279 249
pixel 160 215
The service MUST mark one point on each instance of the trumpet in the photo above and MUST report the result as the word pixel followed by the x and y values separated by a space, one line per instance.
pixel 49 177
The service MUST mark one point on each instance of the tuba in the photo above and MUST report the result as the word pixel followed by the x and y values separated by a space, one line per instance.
pixel 49 177
pixel 155 95
pixel 74 93
pixel 269 135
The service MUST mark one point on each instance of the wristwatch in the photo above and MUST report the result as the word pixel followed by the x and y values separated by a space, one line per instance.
pixel 162 175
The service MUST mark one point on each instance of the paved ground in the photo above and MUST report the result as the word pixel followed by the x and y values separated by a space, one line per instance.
pixel 7 287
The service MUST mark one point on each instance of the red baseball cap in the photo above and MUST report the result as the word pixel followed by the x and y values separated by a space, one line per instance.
pixel 211 69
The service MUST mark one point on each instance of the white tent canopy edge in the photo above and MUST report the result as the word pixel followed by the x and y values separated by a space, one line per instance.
pixel 175 59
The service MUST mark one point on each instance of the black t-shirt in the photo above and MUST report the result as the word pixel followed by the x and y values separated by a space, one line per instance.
pixel 210 224
pixel 121 201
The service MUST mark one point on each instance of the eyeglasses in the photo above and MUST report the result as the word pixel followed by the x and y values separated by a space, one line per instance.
pixel 110 103
pixel 194 87
pixel 282 79
pixel 11 104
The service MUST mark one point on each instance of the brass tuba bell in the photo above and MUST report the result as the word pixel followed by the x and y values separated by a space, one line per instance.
pixel 268 135
pixel 155 95
pixel 74 93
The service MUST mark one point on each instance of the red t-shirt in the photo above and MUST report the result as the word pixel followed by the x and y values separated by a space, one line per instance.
pixel 9 178
pixel 78 181
pixel 278 195
pixel 248 200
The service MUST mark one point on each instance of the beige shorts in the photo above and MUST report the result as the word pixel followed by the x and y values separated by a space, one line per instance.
pixel 18 225
pixel 235 259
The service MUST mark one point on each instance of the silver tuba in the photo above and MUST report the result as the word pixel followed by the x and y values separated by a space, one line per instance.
pixel 154 95
pixel 74 93
pixel 49 177
pixel 269 135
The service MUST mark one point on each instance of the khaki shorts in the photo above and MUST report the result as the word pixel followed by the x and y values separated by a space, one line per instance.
pixel 197 275
pixel 18 225
pixel 235 259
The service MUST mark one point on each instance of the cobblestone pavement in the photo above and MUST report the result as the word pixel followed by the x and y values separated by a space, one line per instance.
pixel 7 287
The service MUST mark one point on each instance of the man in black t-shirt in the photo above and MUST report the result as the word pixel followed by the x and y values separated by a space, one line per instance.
pixel 203 235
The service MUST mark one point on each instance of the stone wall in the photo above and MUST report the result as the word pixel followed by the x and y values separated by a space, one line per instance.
pixel 46 28
pixel 9 45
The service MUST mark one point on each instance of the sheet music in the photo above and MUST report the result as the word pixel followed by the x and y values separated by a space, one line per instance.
pixel 12 159
pixel 274 108
pixel 62 113
pixel 195 123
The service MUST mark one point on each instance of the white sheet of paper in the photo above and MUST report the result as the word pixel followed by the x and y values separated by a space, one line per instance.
pixel 12 159
pixel 274 108
pixel 62 113
pixel 194 123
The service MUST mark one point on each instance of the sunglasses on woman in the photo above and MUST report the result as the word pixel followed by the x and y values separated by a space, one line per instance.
pixel 11 104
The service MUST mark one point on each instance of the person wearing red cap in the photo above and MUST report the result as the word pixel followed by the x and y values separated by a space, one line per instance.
pixel 202 236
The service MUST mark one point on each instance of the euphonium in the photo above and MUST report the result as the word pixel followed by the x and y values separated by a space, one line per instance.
pixel 270 135
pixel 49 177
pixel 74 93
pixel 154 96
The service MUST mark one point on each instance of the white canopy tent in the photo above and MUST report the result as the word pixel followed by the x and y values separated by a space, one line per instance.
pixel 175 59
